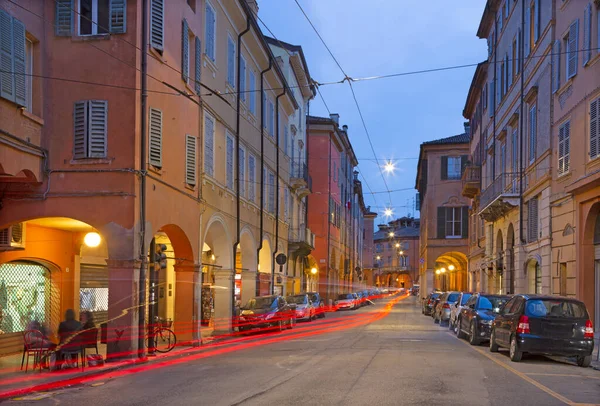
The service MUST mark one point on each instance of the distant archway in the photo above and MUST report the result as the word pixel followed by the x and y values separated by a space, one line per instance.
pixel 510 260
pixel 499 261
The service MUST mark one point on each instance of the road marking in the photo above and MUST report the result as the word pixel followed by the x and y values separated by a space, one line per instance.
pixel 570 375
pixel 523 376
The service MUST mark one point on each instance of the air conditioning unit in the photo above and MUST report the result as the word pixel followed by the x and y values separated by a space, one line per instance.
pixel 13 237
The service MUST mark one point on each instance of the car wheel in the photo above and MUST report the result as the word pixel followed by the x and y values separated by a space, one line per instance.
pixel 291 323
pixel 322 310
pixel 473 336
pixel 493 345
pixel 515 354
pixel 584 360
pixel 280 325
pixel 459 332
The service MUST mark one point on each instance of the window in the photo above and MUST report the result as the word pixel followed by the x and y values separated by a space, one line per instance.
pixel 155 138
pixel 242 78
pixel 535 23
pixel 29 77
pixel 563 279
pixel 90 123
pixel 515 152
pixel 272 186
pixel 502 80
pixel 210 32
pixel 532 220
pixel 503 159
pixel 595 128
pixel 251 178
pixel 96 17
pixel 454 167
pixel 185 51
pixel 209 143
pixel 513 57
pixel 198 62
pixel 453 222
pixel 229 164
pixel 556 66
pixel 252 92
pixel 93 17
pixel 271 119
pixel 286 201
pixel 265 189
pixel 564 135
pixel 286 140
pixel 13 58
pixel 571 42
pixel 587 34
pixel 190 160
pixel 532 132
pixel 242 165
pixel 192 4
pixel 230 62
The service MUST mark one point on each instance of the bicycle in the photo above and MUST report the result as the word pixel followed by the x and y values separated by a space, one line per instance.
pixel 164 337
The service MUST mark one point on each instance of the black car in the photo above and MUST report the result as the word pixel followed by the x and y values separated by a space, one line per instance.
pixel 267 312
pixel 476 316
pixel 548 325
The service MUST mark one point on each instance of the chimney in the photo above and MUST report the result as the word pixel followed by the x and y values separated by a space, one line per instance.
pixel 467 128
pixel 253 4
pixel 345 128
pixel 335 117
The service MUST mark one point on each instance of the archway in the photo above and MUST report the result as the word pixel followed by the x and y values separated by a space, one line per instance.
pixel 589 284
pixel 534 276
pixel 510 259
pixel 265 261
pixel 451 271
pixel 499 263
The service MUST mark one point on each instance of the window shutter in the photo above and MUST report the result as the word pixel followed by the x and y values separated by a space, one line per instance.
pixel 441 222
pixel 532 219
pixel 242 74
pixel 264 109
pixel 465 222
pixel 210 32
pixel 229 161
pixel 509 64
pixel 157 9
pixel 518 53
pixel 556 66
pixel 444 168
pixel 587 34
pixel 527 33
pixel 185 51
pixel 492 93
pixel 19 62
pixel 190 160
pixel 532 133
pixel 230 62
pixel 80 130
pixel 573 50
pixel 251 178
pixel 7 84
pixel 561 149
pixel 286 140
pixel 118 16
pixel 567 147
pixel 251 92
pixel 155 135
pixel 198 65
pixel 242 165
pixel 595 128
pixel 536 22
pixel 209 133
pixel 63 24
pixel 98 123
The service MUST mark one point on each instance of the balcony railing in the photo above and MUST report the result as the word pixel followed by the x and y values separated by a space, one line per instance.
pixel 501 196
pixel 471 181
pixel 303 237
pixel 300 179
pixel 299 171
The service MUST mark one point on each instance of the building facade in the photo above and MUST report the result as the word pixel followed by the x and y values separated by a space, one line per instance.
pixel 368 251
pixel 396 253
pixel 194 171
pixel 444 230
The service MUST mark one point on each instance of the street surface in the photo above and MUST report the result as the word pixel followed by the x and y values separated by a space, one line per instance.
pixel 400 359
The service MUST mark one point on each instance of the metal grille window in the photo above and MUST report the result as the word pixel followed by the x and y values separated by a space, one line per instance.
pixel 93 291
pixel 26 295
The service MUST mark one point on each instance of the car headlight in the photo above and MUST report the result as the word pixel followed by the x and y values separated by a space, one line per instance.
pixel 486 322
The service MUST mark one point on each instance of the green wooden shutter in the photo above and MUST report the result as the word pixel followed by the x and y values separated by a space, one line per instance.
pixel 155 138
pixel 157 23
pixel 465 222
pixel 7 84
pixel 573 51
pixel 587 34
pixel 18 68
pixel 80 130
pixel 118 16
pixel 185 51
pixel 198 66
pixel 63 18
pixel 441 222
pixel 97 128
pixel 444 168
pixel 190 160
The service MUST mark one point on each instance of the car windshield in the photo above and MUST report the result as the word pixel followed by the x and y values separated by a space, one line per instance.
pixel 435 295
pixel 465 297
pixel 297 299
pixel 262 303
pixel 314 298
pixel 555 308
pixel 345 297
pixel 493 303
pixel 452 297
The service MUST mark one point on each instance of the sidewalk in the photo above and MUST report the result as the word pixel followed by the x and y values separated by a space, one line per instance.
pixel 15 382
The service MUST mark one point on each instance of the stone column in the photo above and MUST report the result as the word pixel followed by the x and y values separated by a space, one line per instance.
pixel 248 286
pixel 123 309
pixel 223 300
pixel 186 324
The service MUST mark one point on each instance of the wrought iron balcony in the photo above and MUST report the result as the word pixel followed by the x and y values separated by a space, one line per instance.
pixel 471 181
pixel 301 240
pixel 500 197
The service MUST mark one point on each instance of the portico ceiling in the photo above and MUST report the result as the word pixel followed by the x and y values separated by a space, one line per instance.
pixel 62 223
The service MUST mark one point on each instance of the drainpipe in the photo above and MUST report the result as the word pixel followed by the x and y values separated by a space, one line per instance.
pixel 276 189
pixel 262 165
pixel 328 218
pixel 496 102
pixel 522 62
pixel 143 123
pixel 305 214
pixel 237 153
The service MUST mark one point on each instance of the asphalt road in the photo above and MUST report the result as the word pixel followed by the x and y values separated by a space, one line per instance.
pixel 398 358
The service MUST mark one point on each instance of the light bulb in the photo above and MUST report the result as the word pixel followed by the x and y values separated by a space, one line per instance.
pixel 92 239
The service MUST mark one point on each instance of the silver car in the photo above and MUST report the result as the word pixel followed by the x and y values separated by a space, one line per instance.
pixel 456 308
pixel 443 309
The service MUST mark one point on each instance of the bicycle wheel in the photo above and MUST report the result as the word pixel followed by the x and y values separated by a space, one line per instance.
pixel 165 340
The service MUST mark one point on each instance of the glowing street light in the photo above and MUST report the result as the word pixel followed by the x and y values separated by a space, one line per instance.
pixel 401 252
pixel 391 234
pixel 388 212
pixel 398 246
pixel 437 271
pixel 314 271
pixel 451 267
pixel 443 270
pixel 389 167
pixel 378 258
pixel 92 239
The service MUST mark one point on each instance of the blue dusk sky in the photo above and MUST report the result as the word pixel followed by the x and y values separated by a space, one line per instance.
pixel 380 37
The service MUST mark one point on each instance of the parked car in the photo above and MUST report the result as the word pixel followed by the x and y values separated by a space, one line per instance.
pixel 305 309
pixel 435 304
pixel 415 290
pixel 428 303
pixel 546 325
pixel 456 308
pixel 318 303
pixel 267 312
pixel 443 310
pixel 476 317
pixel 346 301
